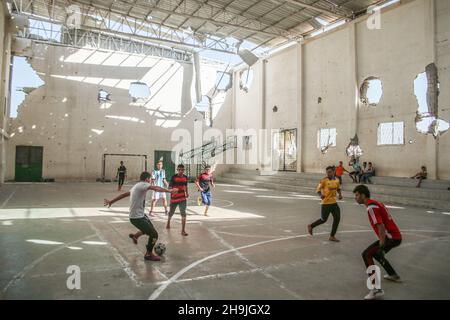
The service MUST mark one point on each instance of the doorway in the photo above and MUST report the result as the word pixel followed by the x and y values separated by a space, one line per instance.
pixel 168 164
pixel 285 150
pixel 28 164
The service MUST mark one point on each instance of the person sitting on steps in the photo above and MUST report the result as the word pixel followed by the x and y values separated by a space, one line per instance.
pixel 422 175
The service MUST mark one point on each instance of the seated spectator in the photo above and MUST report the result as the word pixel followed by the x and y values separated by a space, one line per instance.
pixel 369 172
pixel 355 174
pixel 422 175
pixel 363 169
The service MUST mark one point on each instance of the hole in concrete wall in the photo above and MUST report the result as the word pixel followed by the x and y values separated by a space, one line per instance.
pixel 139 91
pixel 97 131
pixel 391 133
pixel 103 96
pixel 246 79
pixel 223 81
pixel 326 139
pixel 371 91
pixel 426 89
pixel 24 80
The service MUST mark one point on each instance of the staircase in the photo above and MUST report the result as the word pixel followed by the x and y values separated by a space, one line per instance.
pixel 196 159
pixel 402 191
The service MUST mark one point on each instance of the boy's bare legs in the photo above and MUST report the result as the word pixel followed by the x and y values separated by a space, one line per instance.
pixel 206 210
pixel 151 207
pixel 135 236
pixel 165 205
pixel 420 182
pixel 183 226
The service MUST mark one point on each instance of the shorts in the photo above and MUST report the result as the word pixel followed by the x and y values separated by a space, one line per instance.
pixel 174 205
pixel 158 195
pixel 146 227
pixel 206 197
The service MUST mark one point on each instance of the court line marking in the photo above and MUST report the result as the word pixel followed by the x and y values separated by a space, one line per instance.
pixel 246 235
pixel 157 292
pixel 118 257
pixel 30 266
pixel 255 266
pixel 249 271
pixel 7 199
pixel 136 249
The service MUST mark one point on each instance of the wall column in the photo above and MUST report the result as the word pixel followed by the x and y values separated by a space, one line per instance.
pixel 432 144
pixel 300 106
pixel 353 102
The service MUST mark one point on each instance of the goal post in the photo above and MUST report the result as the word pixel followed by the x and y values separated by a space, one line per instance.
pixel 135 164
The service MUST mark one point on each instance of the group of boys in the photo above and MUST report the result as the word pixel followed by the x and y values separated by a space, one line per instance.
pixel 156 181
pixel 388 233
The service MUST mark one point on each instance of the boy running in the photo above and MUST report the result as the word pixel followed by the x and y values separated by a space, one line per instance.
pixel 180 182
pixel 204 183
pixel 137 215
pixel 159 180
pixel 388 234
pixel 327 190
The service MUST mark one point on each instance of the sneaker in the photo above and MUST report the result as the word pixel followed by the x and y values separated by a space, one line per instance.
pixel 374 294
pixel 334 239
pixel 152 257
pixel 394 278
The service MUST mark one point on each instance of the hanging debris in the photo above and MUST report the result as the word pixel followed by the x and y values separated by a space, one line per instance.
pixel 354 150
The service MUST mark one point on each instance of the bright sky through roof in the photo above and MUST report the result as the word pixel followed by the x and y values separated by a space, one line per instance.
pixel 22 76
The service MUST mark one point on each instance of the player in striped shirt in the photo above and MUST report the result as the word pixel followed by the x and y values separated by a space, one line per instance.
pixel 180 182
pixel 388 234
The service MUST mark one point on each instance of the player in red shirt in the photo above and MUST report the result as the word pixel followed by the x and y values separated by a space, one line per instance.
pixel 387 231
pixel 204 183
pixel 179 199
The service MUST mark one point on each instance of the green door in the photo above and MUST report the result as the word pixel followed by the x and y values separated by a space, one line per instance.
pixel 29 163
pixel 168 164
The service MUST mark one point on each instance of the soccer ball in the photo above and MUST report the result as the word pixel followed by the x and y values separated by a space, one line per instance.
pixel 160 248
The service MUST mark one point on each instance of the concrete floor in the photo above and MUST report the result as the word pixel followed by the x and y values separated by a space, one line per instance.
pixel 253 246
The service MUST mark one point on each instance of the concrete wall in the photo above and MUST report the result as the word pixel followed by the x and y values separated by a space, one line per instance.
pixel 75 129
pixel 333 68
pixel 403 49
pixel 443 62
pixel 328 76
pixel 5 58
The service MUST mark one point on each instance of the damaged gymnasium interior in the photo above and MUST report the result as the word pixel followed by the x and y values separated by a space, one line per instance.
pixel 268 93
